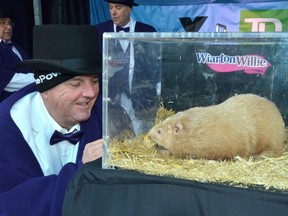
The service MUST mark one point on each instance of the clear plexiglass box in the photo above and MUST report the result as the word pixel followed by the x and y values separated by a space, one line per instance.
pixel 145 71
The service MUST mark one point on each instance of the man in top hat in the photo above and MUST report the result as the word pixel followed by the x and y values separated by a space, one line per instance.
pixel 11 78
pixel 128 99
pixel 50 129
pixel 121 21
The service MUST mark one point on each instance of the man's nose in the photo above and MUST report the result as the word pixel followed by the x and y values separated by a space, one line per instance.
pixel 90 90
pixel 113 11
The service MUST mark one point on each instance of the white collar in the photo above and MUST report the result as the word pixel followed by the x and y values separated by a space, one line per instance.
pixel 35 113
pixel 5 42
pixel 130 24
pixel 36 126
pixel 42 113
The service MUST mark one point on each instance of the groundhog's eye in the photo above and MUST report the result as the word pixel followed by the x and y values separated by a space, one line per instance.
pixel 159 131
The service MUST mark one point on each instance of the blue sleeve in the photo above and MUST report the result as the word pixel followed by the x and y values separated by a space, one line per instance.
pixel 21 195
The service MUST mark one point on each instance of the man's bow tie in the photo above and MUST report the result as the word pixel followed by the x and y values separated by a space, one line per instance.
pixel 72 137
pixel 119 28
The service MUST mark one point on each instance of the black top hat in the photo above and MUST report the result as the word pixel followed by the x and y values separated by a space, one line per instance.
pixel 129 3
pixel 61 52
pixel 5 13
pixel 67 49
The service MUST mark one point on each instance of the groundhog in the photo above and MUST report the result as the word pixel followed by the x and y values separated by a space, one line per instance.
pixel 244 125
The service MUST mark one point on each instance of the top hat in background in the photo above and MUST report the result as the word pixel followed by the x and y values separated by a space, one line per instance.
pixel 21 13
pixel 4 14
pixel 6 11
pixel 68 49
pixel 129 3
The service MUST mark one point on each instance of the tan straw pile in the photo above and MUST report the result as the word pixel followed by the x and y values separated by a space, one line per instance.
pixel 140 154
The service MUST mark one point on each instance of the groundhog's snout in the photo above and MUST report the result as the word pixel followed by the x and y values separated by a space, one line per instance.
pixel 149 136
pixel 156 145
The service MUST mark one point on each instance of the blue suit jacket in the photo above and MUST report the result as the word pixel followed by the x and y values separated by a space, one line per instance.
pixel 8 62
pixel 24 190
pixel 109 27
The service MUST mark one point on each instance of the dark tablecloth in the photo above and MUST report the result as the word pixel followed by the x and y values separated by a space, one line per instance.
pixel 99 192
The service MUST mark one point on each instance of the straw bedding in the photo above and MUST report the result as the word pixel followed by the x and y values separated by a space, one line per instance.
pixel 140 154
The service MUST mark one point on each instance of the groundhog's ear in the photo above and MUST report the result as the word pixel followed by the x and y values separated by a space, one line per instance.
pixel 177 127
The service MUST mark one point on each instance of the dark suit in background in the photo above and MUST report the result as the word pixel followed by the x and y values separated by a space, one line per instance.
pixel 108 27
pixel 132 84
pixel 8 68
pixel 11 78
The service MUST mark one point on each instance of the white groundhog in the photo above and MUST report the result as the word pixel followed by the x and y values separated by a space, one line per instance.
pixel 244 125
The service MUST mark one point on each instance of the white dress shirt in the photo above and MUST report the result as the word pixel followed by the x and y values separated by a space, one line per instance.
pixel 19 80
pixel 37 126
pixel 126 102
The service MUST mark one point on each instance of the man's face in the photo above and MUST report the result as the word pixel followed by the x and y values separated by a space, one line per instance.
pixel 120 14
pixel 70 102
pixel 6 29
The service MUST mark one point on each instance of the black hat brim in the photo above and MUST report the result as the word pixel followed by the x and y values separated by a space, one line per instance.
pixel 71 66
pixel 121 2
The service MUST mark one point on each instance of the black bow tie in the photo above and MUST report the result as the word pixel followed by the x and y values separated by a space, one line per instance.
pixel 119 28
pixel 72 137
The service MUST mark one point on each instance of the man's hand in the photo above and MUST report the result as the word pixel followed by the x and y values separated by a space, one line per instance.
pixel 92 151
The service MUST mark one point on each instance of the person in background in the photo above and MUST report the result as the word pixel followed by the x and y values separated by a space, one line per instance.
pixel 121 20
pixel 130 61
pixel 11 78
pixel 50 129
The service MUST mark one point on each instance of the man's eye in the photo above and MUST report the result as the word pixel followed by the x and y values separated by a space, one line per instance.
pixel 75 84
pixel 95 81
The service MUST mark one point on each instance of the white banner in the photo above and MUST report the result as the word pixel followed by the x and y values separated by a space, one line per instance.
pixel 243 17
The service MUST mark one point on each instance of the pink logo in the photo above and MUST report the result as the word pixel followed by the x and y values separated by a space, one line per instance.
pixel 250 64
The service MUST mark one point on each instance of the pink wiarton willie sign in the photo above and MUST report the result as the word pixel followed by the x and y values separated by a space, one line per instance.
pixel 250 64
